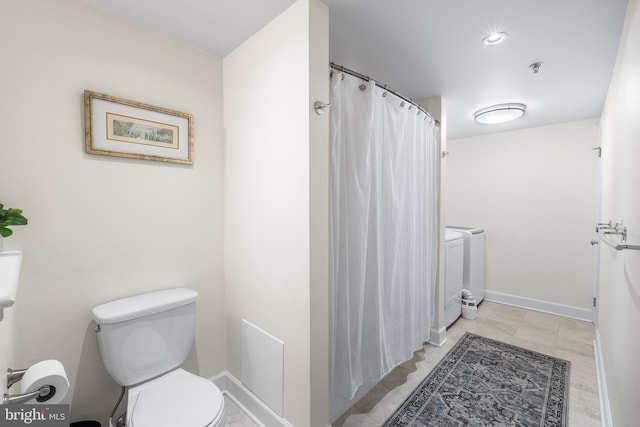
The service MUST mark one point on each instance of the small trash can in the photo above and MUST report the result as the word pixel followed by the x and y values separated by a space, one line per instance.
pixel 469 309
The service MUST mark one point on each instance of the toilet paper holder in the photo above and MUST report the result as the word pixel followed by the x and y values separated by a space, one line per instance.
pixel 14 376
pixel 42 394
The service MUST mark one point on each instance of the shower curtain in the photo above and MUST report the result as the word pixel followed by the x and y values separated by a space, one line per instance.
pixel 384 184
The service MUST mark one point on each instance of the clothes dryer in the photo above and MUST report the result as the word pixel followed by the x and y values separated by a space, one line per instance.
pixel 474 259
pixel 453 275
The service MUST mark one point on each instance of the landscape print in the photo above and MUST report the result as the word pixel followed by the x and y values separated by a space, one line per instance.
pixel 139 131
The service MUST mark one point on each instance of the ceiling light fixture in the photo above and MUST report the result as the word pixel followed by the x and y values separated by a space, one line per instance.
pixel 494 38
pixel 500 113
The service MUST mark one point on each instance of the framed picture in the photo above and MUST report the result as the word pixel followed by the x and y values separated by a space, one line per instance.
pixel 123 128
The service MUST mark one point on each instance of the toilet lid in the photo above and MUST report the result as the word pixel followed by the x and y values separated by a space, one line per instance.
pixel 177 399
pixel 450 236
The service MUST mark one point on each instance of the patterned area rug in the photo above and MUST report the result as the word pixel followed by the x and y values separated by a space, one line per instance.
pixel 484 382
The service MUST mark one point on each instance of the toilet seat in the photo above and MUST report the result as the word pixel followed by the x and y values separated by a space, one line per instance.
pixel 178 398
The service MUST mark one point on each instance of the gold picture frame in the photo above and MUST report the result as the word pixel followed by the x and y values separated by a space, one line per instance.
pixel 123 128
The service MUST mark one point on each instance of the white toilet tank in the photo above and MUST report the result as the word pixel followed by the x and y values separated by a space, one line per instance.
pixel 144 336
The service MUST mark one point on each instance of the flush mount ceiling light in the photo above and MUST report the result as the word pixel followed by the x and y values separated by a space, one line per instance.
pixel 500 113
pixel 494 38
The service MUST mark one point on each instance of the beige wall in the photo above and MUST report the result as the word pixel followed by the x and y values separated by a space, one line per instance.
pixel 437 107
pixel 533 191
pixel 268 194
pixel 319 213
pixel 101 228
pixel 620 271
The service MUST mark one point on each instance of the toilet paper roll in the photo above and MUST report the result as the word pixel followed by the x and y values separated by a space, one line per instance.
pixel 47 372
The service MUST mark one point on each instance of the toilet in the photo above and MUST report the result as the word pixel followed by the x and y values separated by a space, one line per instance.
pixel 143 340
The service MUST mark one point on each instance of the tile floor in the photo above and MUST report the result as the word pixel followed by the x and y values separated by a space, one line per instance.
pixel 234 416
pixel 554 335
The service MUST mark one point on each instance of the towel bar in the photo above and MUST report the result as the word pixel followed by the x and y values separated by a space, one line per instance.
pixel 605 228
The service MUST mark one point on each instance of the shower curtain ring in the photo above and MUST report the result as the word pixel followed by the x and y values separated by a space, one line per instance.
pixel 319 106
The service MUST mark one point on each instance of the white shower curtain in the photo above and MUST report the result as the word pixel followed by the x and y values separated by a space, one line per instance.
pixel 384 184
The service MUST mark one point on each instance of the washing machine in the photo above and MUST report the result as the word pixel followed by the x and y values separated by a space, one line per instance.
pixel 474 259
pixel 453 275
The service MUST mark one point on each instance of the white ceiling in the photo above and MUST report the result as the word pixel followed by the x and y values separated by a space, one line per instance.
pixel 428 48
pixel 217 26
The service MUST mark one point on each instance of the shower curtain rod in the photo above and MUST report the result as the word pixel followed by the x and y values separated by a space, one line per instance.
pixel 342 69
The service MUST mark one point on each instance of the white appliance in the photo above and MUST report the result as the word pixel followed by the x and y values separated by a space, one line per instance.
pixel 143 341
pixel 474 259
pixel 10 263
pixel 453 275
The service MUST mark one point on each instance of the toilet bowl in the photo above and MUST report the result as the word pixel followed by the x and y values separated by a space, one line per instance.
pixel 175 399
pixel 143 341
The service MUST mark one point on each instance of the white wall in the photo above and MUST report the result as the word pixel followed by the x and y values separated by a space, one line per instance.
pixel 101 228
pixel 620 271
pixel 268 193
pixel 533 191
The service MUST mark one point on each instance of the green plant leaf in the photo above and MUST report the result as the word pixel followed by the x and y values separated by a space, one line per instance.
pixel 9 218
pixel 14 221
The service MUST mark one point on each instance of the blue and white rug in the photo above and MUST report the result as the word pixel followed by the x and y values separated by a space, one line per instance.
pixel 484 382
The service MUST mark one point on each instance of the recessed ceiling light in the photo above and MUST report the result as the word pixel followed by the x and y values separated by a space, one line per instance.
pixel 500 113
pixel 494 38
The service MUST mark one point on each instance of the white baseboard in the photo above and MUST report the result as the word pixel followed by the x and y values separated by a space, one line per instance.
pixel 538 305
pixel 605 409
pixel 255 408
pixel 438 337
